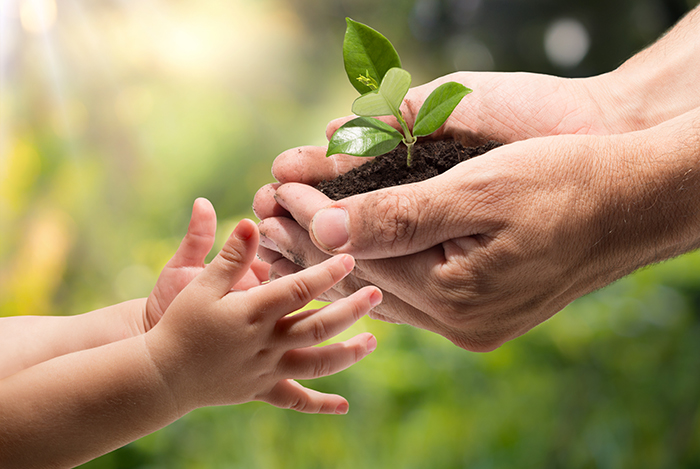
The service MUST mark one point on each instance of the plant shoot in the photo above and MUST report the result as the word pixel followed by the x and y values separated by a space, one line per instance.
pixel 374 69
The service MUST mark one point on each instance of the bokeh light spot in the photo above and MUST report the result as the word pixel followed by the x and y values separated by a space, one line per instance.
pixel 566 42
pixel 470 54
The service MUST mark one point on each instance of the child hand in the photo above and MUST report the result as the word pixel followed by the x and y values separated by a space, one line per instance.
pixel 188 262
pixel 215 346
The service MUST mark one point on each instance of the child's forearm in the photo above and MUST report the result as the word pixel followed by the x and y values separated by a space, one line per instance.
pixel 73 408
pixel 28 340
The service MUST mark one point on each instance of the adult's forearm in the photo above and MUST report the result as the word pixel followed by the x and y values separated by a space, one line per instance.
pixel 654 203
pixel 676 163
pixel 28 340
pixel 657 84
pixel 68 410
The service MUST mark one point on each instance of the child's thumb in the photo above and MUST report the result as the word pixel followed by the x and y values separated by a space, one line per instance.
pixel 234 259
pixel 199 238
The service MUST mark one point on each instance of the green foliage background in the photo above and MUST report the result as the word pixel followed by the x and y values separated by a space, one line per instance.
pixel 116 115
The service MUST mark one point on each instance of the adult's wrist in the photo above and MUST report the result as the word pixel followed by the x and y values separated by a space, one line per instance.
pixel 664 187
pixel 657 84
pixel 631 99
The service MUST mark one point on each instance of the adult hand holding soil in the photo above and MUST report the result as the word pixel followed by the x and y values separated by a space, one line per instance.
pixel 652 87
pixel 498 244
pixel 656 85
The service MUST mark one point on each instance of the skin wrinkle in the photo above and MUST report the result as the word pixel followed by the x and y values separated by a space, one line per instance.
pixel 524 124
pixel 584 114
pixel 599 107
pixel 397 224
pixel 297 257
pixel 389 290
pixel 461 280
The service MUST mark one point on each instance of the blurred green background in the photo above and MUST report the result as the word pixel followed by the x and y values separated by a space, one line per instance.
pixel 115 115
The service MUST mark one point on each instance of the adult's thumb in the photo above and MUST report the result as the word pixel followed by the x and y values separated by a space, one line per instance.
pixel 390 222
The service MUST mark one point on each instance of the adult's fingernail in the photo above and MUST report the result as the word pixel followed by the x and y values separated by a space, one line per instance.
pixel 330 228
pixel 268 243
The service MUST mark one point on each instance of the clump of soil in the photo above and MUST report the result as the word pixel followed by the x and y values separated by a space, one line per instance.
pixel 430 158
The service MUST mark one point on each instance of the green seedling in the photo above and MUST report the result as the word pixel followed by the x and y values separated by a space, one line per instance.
pixel 374 69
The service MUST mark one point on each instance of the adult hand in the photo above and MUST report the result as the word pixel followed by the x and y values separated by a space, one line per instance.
pixel 504 107
pixel 498 244
pixel 508 107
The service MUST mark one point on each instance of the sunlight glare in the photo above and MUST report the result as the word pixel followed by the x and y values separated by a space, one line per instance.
pixel 37 16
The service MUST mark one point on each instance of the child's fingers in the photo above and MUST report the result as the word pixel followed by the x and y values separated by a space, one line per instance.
pixel 316 362
pixel 288 394
pixel 283 268
pixel 199 238
pixel 286 295
pixel 261 270
pixel 234 259
pixel 312 328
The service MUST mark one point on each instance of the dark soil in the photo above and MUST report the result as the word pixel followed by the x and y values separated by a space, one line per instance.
pixel 430 158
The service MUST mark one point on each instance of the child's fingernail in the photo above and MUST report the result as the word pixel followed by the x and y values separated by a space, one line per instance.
pixel 244 230
pixel 375 298
pixel 330 228
pixel 268 243
pixel 342 409
pixel 371 344
pixel 349 263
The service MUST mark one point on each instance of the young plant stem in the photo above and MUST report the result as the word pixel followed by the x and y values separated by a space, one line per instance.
pixel 409 140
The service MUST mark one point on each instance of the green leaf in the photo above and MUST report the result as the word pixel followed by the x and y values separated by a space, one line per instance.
pixel 367 53
pixel 364 136
pixel 438 107
pixel 388 98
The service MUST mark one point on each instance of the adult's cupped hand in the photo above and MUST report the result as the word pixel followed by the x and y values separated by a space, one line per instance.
pixel 489 249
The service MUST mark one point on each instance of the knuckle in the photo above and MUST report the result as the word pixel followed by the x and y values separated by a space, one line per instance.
pixel 231 255
pixel 319 331
pixel 300 291
pixel 297 404
pixel 470 280
pixel 358 354
pixel 398 216
pixel 322 367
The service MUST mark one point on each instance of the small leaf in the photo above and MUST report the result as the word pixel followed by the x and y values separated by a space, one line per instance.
pixel 370 105
pixel 364 137
pixel 367 53
pixel 387 99
pixel 438 107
